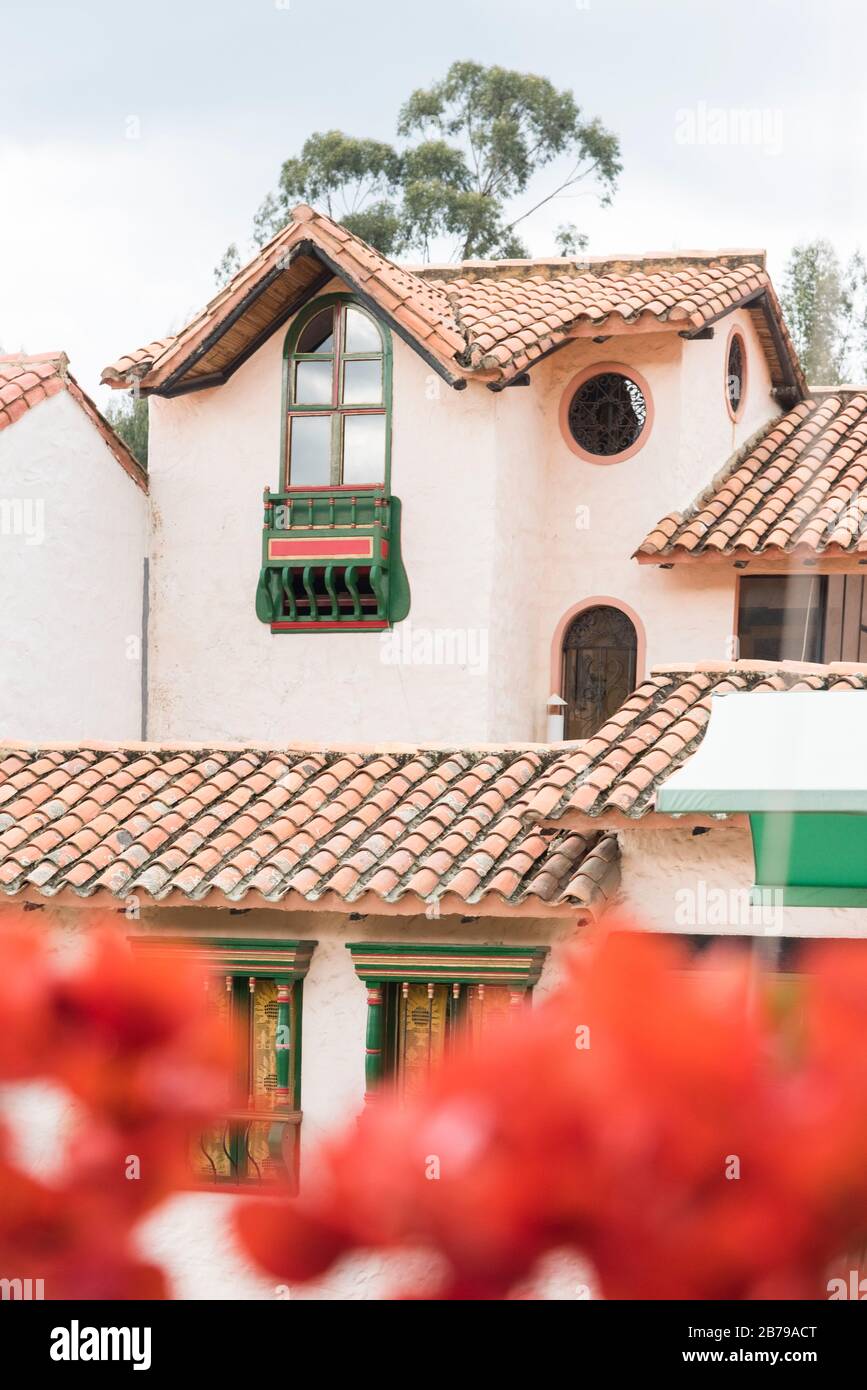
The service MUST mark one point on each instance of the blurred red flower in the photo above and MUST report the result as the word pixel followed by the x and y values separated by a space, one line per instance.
pixel 692 1150
pixel 132 1040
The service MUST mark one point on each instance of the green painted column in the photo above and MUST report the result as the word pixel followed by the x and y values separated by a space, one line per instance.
pixel 283 1043
pixel 373 1046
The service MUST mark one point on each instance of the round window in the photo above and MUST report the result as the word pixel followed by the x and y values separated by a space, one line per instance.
pixel 736 363
pixel 607 414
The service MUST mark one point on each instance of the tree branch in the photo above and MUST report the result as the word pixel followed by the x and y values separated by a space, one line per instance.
pixel 568 183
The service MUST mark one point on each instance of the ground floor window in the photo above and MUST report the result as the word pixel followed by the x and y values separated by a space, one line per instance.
pixel 421 1000
pixel 421 1021
pixel 256 988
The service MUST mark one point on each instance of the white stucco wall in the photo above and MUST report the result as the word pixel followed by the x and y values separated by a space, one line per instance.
pixel 72 546
pixel 490 494
pixel 216 672
pixel 687 613
pixel 676 881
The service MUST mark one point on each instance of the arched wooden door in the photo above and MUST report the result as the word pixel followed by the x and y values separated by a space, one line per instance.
pixel 599 660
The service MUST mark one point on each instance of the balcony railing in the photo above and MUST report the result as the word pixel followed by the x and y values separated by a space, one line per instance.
pixel 249 1148
pixel 331 559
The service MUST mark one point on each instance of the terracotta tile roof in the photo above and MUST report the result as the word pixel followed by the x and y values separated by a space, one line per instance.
pixel 615 774
pixel 420 310
pixel 135 363
pixel 487 319
pixel 27 380
pixel 799 490
pixel 510 322
pixel 322 828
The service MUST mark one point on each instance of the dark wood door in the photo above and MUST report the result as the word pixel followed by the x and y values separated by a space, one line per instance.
pixel 599 659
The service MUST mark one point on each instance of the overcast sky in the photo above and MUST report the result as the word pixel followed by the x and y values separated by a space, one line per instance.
pixel 742 124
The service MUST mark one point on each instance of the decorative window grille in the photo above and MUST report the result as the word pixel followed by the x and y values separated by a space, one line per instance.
pixel 607 414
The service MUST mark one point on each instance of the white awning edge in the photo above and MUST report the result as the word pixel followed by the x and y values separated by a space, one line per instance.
pixel 803 750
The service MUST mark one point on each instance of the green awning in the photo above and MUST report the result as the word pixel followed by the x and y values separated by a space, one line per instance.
pixel 796 764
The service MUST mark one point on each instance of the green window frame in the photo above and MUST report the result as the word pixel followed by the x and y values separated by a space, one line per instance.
pixel 256 986
pixel 421 999
pixel 341 367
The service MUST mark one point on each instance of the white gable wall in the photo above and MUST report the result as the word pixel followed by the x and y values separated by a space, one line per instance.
pixel 216 671
pixel 72 545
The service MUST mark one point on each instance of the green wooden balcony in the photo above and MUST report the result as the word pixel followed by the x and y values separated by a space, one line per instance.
pixel 331 560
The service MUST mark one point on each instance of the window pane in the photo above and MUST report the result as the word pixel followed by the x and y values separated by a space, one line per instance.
pixel 781 617
pixel 362 334
pixel 421 1034
pixel 364 449
pixel 362 382
pixel 318 334
pixel 310 450
pixel 313 382
pixel 263 1079
pixel 490 1007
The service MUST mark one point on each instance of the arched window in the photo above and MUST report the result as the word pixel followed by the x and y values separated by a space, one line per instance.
pixel 337 396
pixel 599 662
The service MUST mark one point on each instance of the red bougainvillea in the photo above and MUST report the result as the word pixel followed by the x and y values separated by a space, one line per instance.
pixel 658 1118
pixel 131 1041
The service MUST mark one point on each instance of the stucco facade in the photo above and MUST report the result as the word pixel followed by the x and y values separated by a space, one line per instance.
pixel 675 880
pixel 73 541
pixel 505 530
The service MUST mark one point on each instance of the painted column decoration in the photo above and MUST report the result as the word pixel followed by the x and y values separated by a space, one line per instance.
pixel 373 1046
pixel 283 1044
pixel 439 991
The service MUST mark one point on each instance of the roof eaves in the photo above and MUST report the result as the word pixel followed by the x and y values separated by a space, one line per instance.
pixel 444 831
pixel 681 318
pixel 307 234
pixel 794 388
pixel 821 443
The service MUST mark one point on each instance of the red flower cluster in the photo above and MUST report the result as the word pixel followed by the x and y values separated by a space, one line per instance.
pixel 131 1040
pixel 655 1117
